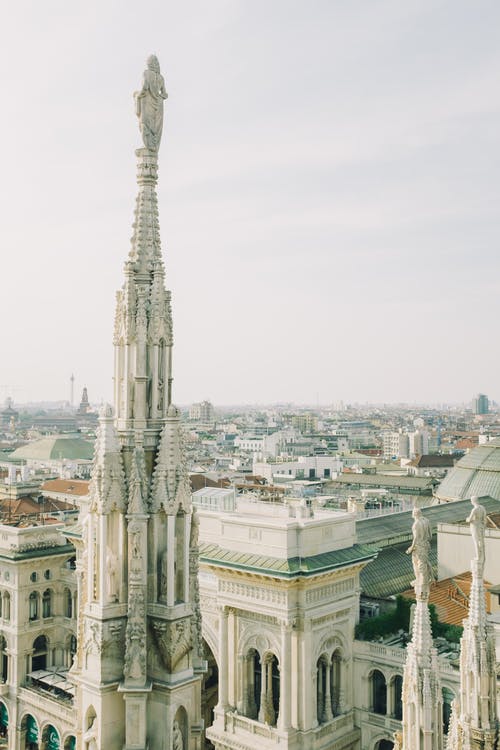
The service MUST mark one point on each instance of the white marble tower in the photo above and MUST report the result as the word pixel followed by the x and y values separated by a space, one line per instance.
pixel 138 668
pixel 422 696
pixel 474 724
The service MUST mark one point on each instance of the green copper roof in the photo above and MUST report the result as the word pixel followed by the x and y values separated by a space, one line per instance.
pixel 477 473
pixel 285 568
pixel 55 448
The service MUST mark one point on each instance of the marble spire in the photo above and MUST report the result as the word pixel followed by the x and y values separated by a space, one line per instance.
pixel 139 660
pixel 422 697
pixel 474 718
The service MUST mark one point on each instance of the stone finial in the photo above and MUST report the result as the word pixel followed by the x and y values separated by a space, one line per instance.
pixel 149 104
pixel 106 411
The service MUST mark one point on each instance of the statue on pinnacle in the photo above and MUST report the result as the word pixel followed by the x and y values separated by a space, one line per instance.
pixel 477 521
pixel 420 553
pixel 149 104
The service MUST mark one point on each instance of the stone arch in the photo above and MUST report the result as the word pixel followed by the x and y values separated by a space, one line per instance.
pixel 378 691
pixel 210 687
pixel 30 732
pixel 69 742
pixel 395 697
pixel 34 605
pixel 180 729
pixel 330 643
pixel 51 737
pixel 4 722
pixel 40 652
pixel 210 635
pixel 448 698
pixel 68 602
pixel 383 742
pixel 47 603
pixel 6 606
pixel 259 641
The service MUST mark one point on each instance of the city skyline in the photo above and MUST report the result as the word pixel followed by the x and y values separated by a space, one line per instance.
pixel 328 196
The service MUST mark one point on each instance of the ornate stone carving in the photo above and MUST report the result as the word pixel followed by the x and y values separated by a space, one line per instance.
pixel 107 486
pixel 93 638
pixel 173 640
pixel 171 490
pixel 477 521
pixel 113 644
pixel 135 637
pixel 420 551
pixel 195 601
pixel 177 741
pixel 149 104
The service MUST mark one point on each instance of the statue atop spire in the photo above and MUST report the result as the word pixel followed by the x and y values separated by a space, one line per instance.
pixel 149 104
pixel 477 521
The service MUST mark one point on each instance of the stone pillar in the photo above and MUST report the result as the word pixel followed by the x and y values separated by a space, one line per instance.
pixel 285 676
pixel 327 708
pixel 223 656
pixel 271 716
pixel 263 675
pixel 171 560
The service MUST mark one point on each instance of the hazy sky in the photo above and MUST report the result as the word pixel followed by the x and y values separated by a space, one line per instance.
pixel 329 195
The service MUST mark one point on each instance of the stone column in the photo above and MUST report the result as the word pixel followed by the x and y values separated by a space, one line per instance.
pixel 223 657
pixel 285 676
pixel 263 675
pixel 327 706
pixel 271 716
pixel 171 560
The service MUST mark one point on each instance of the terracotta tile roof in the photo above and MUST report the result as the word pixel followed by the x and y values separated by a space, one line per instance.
pixel 78 487
pixel 451 598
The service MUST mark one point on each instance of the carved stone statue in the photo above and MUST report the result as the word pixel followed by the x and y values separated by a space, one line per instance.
pixel 111 570
pixel 398 740
pixel 420 551
pixel 164 577
pixel 477 521
pixel 149 104
pixel 177 741
pixel 195 529
pixel 90 736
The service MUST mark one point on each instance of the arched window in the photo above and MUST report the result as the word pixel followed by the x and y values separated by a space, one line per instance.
pixel 379 692
pixel 4 660
pixel 397 686
pixel 6 606
pixel 68 603
pixel 448 697
pixel 269 690
pixel 47 603
pixel 50 738
pixel 30 729
pixel 40 650
pixel 323 695
pixel 336 682
pixel 33 605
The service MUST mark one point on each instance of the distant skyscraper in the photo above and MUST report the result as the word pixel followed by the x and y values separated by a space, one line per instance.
pixel 480 404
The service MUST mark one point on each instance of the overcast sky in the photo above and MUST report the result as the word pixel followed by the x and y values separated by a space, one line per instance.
pixel 329 195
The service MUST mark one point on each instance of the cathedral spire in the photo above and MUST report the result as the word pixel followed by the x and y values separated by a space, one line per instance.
pixel 422 698
pixel 477 725
pixel 140 666
pixel 143 320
